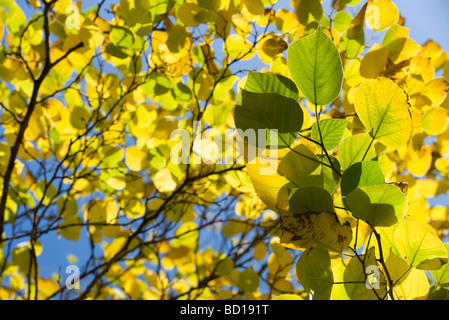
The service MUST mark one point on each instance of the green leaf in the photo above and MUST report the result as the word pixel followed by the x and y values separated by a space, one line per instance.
pixel 21 257
pixel 121 37
pixel 353 41
pixel 269 111
pixel 387 240
pixel 382 106
pixel 442 275
pixel 234 227
pixel 71 233
pixel 310 199
pixel 361 174
pixel 158 6
pixel 315 273
pixel 420 246
pixel 182 93
pixel 354 149
pixel 45 192
pixel 342 21
pixel 67 206
pixel 306 169
pixel 209 4
pixel 271 83
pixel 332 131
pixel 16 19
pixel 315 66
pixel 437 293
pixel 249 280
pixel 379 205
pixel 309 11
pixel 111 155
pixel 330 177
pixel 177 38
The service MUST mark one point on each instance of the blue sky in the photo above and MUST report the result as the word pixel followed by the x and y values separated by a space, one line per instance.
pixel 426 20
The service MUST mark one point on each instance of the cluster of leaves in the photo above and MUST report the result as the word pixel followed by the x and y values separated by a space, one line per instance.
pixel 87 115
pixel 347 176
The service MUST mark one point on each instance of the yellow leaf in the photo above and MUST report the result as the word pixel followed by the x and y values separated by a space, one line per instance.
pixel 287 22
pixel 134 208
pixel 241 26
pixel 164 181
pixel 302 231
pixel 260 250
pixel 132 288
pixel 118 183
pixel 432 50
pixel 79 118
pixel 117 245
pixel 446 70
pixel 383 108
pixel 381 14
pixel 269 47
pixel 102 210
pixel 409 284
pixel 165 127
pixel 399 45
pixel 374 62
pixel 136 159
pixel 419 245
pixel 433 93
pixel 350 274
pixel 46 288
pixel 270 186
pixel 238 47
pixel 421 72
pixel 435 120
pixel 421 166
pixel 353 77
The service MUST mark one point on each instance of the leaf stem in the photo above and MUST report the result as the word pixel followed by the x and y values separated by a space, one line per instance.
pixel 366 152
pixel 317 115
pixel 384 266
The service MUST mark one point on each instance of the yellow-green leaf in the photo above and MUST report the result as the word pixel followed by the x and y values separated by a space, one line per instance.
pixel 410 284
pixel 419 245
pixel 383 108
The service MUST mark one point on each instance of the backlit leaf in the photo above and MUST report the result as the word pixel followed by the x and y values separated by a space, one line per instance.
pixel 316 68
pixel 310 199
pixel 354 149
pixel 442 275
pixel 361 174
pixel 379 205
pixel 420 246
pixel 269 111
pixel 315 273
pixel 410 284
pixel 332 131
pixel 383 108
pixel 350 279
